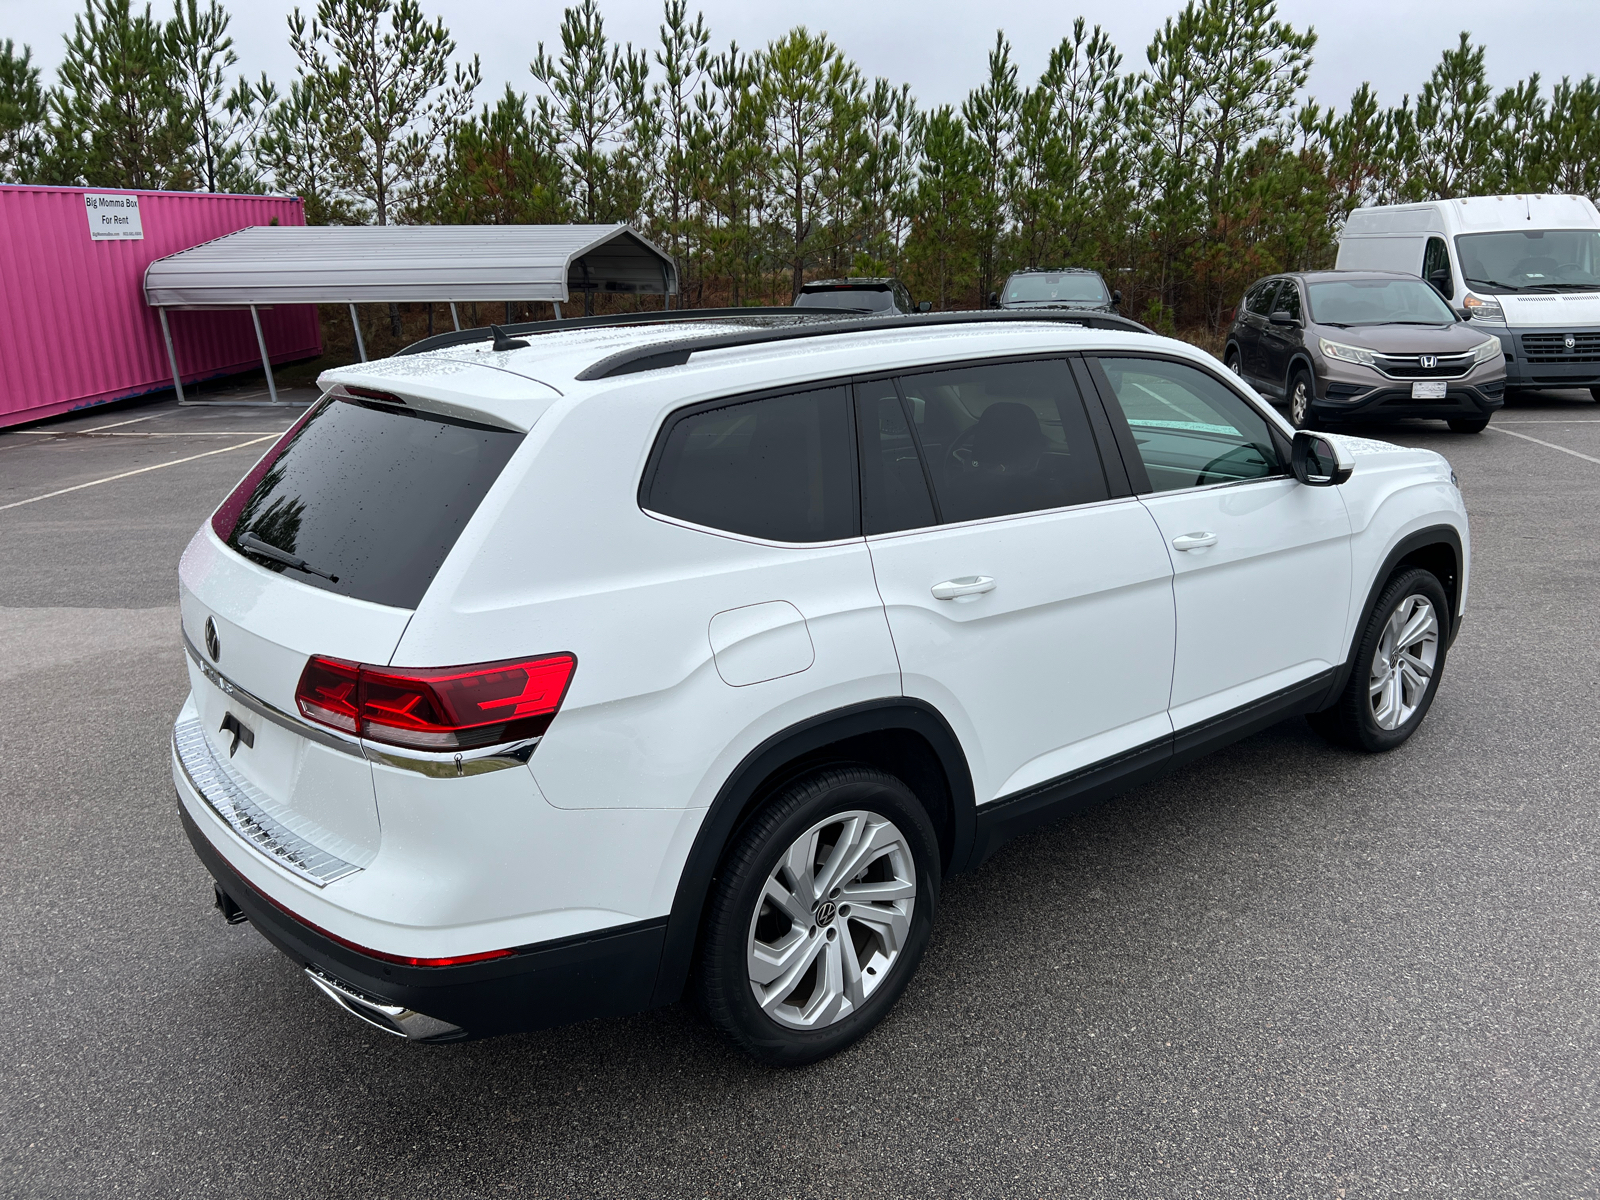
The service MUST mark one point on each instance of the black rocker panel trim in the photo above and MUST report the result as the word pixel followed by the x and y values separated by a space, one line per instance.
pixel 768 764
pixel 1010 816
pixel 606 973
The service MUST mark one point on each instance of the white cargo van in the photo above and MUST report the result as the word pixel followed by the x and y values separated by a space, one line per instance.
pixel 1526 267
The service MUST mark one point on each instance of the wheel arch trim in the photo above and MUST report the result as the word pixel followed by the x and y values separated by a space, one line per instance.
pixel 743 787
pixel 1420 539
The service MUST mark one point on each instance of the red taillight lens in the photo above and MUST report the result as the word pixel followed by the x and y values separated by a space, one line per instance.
pixel 449 708
pixel 327 693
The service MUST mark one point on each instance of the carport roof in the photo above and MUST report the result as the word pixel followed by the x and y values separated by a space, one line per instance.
pixel 359 264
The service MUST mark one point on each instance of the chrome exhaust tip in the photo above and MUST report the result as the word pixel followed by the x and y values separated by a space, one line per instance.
pixel 380 1014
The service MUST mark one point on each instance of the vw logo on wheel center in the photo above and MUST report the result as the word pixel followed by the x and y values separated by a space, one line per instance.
pixel 213 642
pixel 825 912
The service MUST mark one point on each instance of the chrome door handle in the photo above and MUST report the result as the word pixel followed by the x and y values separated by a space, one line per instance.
pixel 1194 541
pixel 966 585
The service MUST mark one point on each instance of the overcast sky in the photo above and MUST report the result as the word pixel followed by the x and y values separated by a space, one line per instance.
pixel 939 46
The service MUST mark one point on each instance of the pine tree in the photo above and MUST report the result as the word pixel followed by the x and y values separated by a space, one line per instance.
pixel 22 116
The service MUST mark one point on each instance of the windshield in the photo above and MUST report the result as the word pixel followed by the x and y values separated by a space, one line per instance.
pixel 870 299
pixel 1533 259
pixel 1075 287
pixel 1377 302
pixel 370 495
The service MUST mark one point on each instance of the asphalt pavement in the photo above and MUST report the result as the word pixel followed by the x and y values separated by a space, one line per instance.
pixel 1285 971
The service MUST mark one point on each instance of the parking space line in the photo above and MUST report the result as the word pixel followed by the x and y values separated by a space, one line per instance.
pixel 116 424
pixel 1574 421
pixel 113 478
pixel 1551 445
pixel 154 433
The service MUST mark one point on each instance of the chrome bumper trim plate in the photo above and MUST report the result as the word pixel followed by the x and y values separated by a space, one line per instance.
pixel 243 806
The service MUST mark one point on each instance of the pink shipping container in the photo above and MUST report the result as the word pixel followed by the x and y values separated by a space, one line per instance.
pixel 74 326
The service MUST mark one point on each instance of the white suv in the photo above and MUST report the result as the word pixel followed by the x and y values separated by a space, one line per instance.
pixel 538 680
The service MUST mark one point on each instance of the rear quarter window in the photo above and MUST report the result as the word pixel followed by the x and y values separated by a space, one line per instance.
pixel 779 467
pixel 374 494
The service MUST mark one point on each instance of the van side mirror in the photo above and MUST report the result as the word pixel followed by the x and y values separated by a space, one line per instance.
pixel 1463 314
pixel 1317 462
pixel 1441 282
pixel 925 306
pixel 1282 316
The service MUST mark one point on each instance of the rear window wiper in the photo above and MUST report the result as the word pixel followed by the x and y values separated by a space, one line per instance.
pixel 263 549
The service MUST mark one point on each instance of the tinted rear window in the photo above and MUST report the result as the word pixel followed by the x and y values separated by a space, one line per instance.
pixel 780 468
pixel 373 494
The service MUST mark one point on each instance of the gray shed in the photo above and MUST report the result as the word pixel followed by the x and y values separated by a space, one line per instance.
pixel 266 265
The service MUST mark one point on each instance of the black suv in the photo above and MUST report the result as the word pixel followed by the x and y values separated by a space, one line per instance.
pixel 1070 287
pixel 1364 345
pixel 859 293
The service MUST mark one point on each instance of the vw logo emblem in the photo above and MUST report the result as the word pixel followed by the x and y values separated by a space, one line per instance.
pixel 1569 342
pixel 825 912
pixel 1429 361
pixel 213 642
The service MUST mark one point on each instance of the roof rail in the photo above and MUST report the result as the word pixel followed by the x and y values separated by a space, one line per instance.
pixel 464 337
pixel 676 354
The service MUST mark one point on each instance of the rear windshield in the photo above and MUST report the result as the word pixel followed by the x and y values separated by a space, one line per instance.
pixel 372 494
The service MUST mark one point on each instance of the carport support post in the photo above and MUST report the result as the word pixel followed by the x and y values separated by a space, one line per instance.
pixel 455 320
pixel 355 321
pixel 172 358
pixel 266 361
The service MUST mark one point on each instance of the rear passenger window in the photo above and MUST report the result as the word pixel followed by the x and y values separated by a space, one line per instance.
pixel 780 468
pixel 1004 438
pixel 894 490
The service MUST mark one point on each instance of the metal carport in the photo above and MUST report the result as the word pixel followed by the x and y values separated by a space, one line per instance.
pixel 266 265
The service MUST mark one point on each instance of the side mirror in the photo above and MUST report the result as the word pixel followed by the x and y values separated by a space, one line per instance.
pixel 1318 462
pixel 925 306
pixel 1282 316
pixel 994 299
pixel 1463 314
pixel 1116 299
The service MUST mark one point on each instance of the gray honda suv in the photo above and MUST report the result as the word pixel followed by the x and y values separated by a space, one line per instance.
pixel 1365 345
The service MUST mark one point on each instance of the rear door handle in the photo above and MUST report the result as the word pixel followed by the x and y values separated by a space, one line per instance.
pixel 1194 541
pixel 966 585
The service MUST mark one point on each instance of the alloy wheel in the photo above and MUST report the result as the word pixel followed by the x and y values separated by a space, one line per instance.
pixel 1404 661
pixel 1300 403
pixel 832 919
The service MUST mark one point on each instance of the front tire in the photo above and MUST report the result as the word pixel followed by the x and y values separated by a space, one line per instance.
pixel 1469 424
pixel 1230 359
pixel 1301 390
pixel 821 915
pixel 1398 661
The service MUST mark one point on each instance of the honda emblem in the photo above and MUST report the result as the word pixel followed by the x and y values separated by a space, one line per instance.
pixel 1429 361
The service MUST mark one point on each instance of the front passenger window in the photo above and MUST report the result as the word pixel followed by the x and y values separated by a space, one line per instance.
pixel 1190 428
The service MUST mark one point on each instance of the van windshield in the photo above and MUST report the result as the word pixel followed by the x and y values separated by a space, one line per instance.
pixel 1377 302
pixel 1532 260
pixel 370 496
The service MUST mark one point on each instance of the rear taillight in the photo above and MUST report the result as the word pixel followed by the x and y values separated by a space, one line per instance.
pixel 441 709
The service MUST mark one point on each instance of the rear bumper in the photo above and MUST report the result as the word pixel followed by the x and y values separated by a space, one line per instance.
pixel 607 973
pixel 1394 401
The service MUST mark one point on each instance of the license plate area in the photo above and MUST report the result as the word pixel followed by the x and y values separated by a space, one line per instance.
pixel 1428 389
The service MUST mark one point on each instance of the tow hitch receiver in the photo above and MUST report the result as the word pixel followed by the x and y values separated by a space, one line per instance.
pixel 231 912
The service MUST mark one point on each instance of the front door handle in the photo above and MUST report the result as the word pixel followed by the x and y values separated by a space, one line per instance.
pixel 966 585
pixel 1194 541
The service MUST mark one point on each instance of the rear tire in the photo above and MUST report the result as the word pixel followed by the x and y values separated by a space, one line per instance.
pixel 1469 424
pixel 1595 392
pixel 1398 661
pixel 804 953
pixel 1301 390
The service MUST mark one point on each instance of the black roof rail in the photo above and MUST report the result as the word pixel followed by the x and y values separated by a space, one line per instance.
pixel 465 337
pixel 676 354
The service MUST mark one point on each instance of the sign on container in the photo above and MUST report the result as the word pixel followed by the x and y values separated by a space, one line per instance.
pixel 113 218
